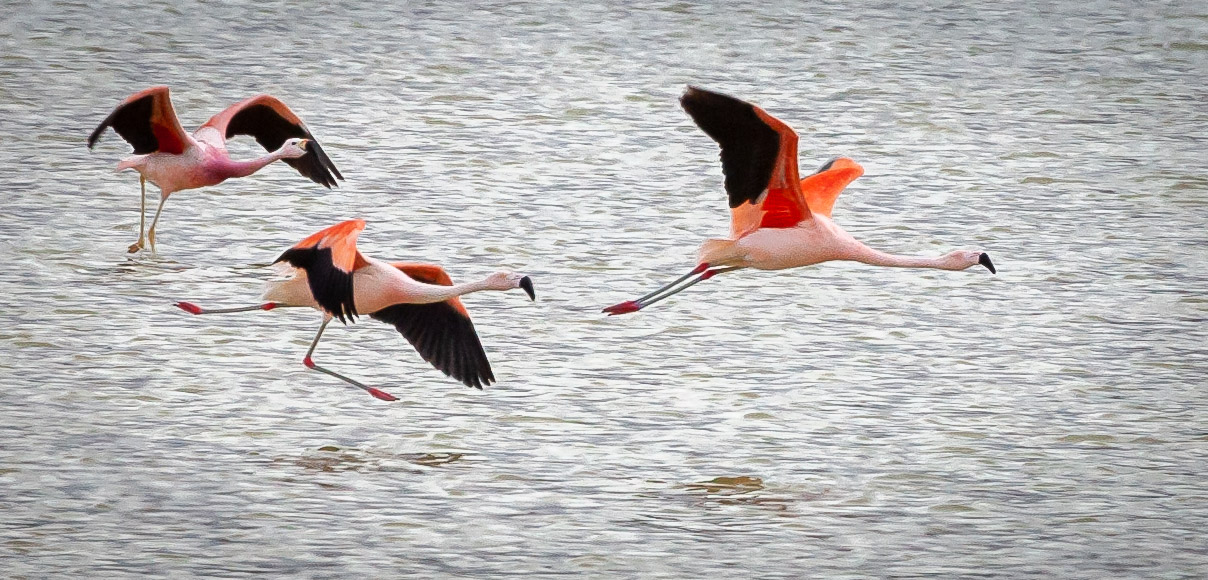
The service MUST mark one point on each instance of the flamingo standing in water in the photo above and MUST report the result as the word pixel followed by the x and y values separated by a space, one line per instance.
pixel 777 220
pixel 174 160
pixel 420 300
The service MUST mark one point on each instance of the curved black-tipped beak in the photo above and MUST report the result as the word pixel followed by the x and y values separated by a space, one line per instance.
pixel 984 260
pixel 527 284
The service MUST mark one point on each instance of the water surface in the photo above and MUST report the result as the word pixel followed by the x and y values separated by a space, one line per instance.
pixel 834 421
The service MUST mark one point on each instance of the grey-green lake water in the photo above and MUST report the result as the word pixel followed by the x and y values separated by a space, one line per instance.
pixel 837 421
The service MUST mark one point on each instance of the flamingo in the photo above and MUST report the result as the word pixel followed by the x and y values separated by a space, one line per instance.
pixel 419 300
pixel 777 220
pixel 174 160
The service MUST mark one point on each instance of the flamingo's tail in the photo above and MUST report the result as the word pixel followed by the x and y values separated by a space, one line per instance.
pixel 290 287
pixel 130 163
pixel 718 252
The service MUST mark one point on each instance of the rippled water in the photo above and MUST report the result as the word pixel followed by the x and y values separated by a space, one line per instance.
pixel 834 421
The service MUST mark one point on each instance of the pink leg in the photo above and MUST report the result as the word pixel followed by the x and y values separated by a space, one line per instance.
pixel 636 305
pixel 310 364
pixel 142 215
pixel 195 309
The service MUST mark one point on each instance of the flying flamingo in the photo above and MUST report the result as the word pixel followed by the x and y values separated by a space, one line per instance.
pixel 420 300
pixel 777 220
pixel 174 160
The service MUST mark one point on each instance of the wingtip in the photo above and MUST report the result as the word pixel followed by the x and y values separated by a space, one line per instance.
pixel 477 379
pixel 692 96
pixel 697 92
pixel 690 92
pixel 95 136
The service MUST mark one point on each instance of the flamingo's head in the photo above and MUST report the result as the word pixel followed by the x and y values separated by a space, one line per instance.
pixel 962 259
pixel 510 280
pixel 294 148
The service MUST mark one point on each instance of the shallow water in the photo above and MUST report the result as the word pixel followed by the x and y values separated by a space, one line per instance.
pixel 834 421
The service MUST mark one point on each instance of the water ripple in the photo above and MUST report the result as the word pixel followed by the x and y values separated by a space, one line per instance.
pixel 845 420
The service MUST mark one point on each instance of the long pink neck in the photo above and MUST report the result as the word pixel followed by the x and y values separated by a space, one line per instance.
pixel 433 293
pixel 873 257
pixel 231 168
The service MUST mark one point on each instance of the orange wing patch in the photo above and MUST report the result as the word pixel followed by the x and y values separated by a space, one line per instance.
pixel 823 188
pixel 271 123
pixel 342 239
pixel 148 122
pixel 431 274
pixel 222 119
pixel 164 124
pixel 782 205
pixel 329 258
pixel 744 219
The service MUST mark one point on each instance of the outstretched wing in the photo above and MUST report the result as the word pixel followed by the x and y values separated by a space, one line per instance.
pixel 329 258
pixel 823 187
pixel 758 158
pixel 147 121
pixel 441 332
pixel 270 122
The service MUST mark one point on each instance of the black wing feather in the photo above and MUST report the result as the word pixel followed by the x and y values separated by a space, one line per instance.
pixel 749 147
pixel 444 337
pixel 133 122
pixel 331 286
pixel 271 130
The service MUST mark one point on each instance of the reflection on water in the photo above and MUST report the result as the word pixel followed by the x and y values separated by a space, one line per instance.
pixel 330 458
pixel 845 420
pixel 739 491
pixel 728 485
